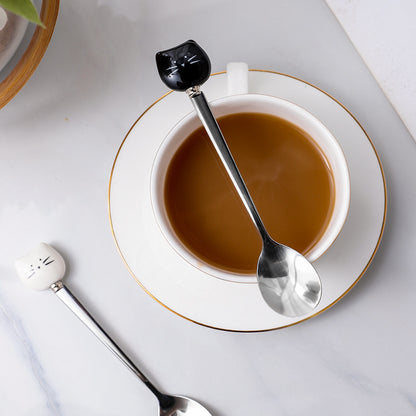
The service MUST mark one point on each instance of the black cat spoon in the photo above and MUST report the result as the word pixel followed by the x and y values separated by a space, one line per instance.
pixel 287 280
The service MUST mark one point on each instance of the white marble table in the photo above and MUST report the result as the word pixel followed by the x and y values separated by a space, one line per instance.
pixel 58 140
pixel 384 33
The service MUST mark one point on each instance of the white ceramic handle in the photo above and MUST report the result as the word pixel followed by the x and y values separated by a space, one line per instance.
pixel 237 78
pixel 41 267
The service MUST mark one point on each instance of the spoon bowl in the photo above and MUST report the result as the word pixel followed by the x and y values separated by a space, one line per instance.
pixel 180 405
pixel 287 280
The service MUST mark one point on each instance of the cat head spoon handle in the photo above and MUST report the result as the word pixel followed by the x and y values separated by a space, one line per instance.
pixel 287 280
pixel 184 66
pixel 44 268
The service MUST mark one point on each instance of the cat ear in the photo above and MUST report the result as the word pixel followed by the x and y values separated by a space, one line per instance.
pixel 40 268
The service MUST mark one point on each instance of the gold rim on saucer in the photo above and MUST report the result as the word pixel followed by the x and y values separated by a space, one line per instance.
pixel 298 321
pixel 31 58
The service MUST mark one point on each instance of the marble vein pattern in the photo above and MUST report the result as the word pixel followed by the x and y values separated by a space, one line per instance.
pixel 16 332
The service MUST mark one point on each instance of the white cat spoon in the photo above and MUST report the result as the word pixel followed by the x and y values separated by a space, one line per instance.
pixel 43 268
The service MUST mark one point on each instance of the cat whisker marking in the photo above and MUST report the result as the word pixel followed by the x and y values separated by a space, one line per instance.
pixel 41 267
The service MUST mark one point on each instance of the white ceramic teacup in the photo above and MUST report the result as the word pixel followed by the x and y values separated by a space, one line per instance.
pixel 242 102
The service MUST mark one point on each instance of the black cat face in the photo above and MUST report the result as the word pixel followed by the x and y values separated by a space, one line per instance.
pixel 183 66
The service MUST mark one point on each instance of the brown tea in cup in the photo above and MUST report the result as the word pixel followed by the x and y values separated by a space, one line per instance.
pixel 288 177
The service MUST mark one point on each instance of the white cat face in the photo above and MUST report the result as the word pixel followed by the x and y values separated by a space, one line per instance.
pixel 41 267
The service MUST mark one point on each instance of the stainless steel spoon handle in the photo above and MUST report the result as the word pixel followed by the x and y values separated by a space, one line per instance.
pixel 211 126
pixel 76 307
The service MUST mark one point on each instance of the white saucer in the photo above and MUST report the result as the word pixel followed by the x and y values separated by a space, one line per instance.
pixel 222 304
